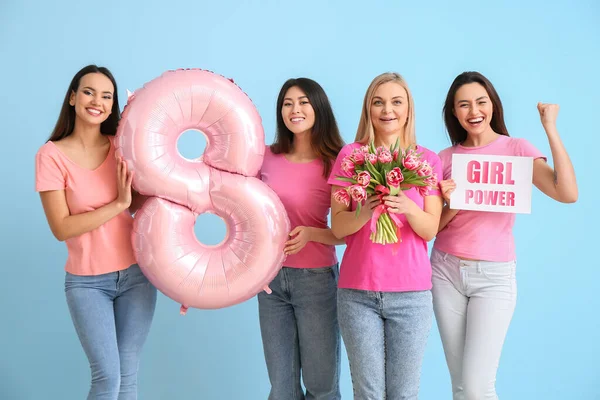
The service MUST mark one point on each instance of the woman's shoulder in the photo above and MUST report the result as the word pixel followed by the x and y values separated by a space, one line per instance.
pixel 48 149
pixel 349 148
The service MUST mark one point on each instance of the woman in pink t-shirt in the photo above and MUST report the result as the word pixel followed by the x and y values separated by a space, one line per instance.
pixel 384 299
pixel 473 259
pixel 298 320
pixel 87 198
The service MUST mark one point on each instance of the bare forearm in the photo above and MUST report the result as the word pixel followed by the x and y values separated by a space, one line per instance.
pixel 75 225
pixel 564 174
pixel 423 224
pixel 345 223
pixel 325 236
pixel 447 215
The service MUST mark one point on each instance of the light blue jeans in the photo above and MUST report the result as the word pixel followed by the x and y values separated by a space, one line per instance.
pixel 112 314
pixel 385 334
pixel 300 334
pixel 474 303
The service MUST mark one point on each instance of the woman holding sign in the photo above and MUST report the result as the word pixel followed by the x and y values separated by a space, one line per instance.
pixel 473 257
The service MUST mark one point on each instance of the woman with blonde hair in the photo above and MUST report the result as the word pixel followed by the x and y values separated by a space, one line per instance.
pixel 384 296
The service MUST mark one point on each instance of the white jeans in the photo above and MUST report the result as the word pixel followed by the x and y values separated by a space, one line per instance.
pixel 473 303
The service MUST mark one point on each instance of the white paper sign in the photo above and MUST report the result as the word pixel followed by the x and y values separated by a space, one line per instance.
pixel 492 183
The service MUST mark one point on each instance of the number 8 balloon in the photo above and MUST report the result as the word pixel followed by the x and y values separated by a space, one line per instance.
pixel 222 182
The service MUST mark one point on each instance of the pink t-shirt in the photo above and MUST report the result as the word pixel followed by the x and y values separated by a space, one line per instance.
pixel 482 235
pixel 370 266
pixel 107 248
pixel 306 196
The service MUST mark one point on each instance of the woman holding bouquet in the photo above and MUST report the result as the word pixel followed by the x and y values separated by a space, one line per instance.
pixel 473 260
pixel 298 320
pixel 384 298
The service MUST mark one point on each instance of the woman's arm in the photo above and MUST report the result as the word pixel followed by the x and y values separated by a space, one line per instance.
pixel 559 183
pixel 325 236
pixel 425 222
pixel 447 215
pixel 65 226
pixel 447 187
pixel 344 222
pixel 301 235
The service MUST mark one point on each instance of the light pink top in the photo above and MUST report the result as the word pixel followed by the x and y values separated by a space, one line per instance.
pixel 107 248
pixel 482 235
pixel 370 266
pixel 306 195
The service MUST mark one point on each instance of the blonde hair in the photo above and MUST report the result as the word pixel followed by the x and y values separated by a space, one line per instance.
pixel 365 132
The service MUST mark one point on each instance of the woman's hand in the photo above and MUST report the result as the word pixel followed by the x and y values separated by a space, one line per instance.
pixel 400 204
pixel 447 187
pixel 124 178
pixel 300 235
pixel 366 210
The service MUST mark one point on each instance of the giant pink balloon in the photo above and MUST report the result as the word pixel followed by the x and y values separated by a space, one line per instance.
pixel 223 182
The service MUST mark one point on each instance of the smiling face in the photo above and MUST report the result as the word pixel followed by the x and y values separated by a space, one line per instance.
pixel 389 109
pixel 297 112
pixel 93 99
pixel 473 109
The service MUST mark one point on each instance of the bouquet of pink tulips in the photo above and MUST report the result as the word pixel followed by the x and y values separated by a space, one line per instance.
pixel 381 171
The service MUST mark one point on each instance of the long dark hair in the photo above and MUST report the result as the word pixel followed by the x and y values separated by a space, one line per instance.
pixel 325 136
pixel 457 133
pixel 66 119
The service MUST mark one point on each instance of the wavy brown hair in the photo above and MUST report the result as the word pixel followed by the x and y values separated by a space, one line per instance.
pixel 456 132
pixel 66 119
pixel 325 136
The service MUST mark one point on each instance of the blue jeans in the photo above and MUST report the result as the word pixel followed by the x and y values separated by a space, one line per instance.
pixel 385 334
pixel 112 314
pixel 300 334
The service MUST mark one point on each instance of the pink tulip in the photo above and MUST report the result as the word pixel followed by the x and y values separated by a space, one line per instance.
pixel 411 161
pixel 394 177
pixel 363 178
pixel 385 156
pixel 342 197
pixel 358 193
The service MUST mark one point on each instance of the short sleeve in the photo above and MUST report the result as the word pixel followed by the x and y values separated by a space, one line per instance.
pixel 337 171
pixel 445 157
pixel 48 175
pixel 436 164
pixel 526 149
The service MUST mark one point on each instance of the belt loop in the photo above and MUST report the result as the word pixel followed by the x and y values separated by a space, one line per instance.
pixel 478 267
pixel 445 256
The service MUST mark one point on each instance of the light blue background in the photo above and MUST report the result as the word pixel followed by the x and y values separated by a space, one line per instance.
pixel 541 51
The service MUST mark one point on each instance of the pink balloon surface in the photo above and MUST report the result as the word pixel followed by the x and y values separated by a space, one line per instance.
pixel 222 182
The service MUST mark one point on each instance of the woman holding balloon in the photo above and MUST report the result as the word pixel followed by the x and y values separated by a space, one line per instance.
pixel 86 194
pixel 298 319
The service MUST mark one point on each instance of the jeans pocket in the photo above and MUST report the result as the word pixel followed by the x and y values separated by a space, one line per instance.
pixel 499 272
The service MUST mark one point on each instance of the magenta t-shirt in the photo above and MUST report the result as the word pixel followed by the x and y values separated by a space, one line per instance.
pixel 306 195
pixel 375 267
pixel 482 235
